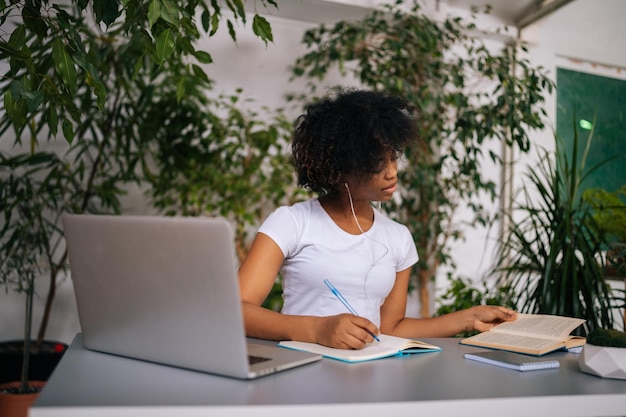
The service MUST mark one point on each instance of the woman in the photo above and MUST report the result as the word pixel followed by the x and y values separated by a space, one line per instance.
pixel 346 149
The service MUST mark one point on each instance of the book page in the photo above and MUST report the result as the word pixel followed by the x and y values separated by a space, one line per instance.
pixel 402 343
pixel 540 325
pixel 373 350
pixel 513 340
pixel 388 346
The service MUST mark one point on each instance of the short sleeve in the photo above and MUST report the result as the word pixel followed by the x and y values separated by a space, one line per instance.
pixel 409 251
pixel 284 227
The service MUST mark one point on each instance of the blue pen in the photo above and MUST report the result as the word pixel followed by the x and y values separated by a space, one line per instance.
pixel 345 302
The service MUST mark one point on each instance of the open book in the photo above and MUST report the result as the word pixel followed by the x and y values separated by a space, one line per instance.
pixel 532 334
pixel 388 346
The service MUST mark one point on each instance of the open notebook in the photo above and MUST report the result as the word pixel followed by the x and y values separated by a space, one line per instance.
pixel 388 346
pixel 165 290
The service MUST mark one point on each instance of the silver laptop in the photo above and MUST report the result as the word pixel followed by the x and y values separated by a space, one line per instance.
pixel 165 290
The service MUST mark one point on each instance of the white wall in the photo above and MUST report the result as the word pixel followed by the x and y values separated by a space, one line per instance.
pixel 585 29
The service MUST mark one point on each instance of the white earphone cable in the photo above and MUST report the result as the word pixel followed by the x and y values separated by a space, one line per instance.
pixel 374 260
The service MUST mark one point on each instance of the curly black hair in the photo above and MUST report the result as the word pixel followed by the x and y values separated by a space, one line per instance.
pixel 350 132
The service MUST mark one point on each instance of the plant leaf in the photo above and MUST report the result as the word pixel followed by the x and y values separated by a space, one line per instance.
pixel 203 57
pixel 154 12
pixel 165 45
pixel 68 130
pixel 106 11
pixel 64 65
pixel 262 28
pixel 169 12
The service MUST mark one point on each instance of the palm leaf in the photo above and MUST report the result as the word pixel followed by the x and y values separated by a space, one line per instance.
pixel 552 255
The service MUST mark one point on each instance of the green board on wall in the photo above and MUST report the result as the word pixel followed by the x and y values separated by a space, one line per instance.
pixel 598 100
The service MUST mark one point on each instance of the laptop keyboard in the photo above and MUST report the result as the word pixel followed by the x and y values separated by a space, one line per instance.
pixel 256 359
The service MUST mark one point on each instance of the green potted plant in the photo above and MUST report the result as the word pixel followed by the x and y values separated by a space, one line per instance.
pixel 604 354
pixel 436 65
pixel 29 245
pixel 552 254
pixel 22 263
pixel 81 84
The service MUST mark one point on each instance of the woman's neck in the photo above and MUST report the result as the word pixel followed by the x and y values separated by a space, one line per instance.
pixel 338 207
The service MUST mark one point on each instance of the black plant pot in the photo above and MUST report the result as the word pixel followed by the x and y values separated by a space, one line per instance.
pixel 43 360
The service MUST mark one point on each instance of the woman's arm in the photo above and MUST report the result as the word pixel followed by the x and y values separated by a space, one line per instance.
pixel 394 322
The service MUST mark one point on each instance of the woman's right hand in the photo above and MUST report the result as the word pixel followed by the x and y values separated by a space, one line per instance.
pixel 345 331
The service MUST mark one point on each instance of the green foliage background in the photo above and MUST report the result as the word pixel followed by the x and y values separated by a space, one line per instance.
pixel 467 98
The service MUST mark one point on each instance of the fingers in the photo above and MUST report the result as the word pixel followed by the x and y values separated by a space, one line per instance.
pixel 500 314
pixel 496 314
pixel 488 316
pixel 347 331
pixel 359 332
pixel 509 315
pixel 371 330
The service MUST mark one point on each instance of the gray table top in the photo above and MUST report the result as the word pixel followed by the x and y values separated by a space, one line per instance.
pixel 86 380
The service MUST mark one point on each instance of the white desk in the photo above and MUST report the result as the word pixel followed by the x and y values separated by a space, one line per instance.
pixel 442 383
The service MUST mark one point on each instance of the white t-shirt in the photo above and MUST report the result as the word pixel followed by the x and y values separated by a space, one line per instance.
pixel 362 267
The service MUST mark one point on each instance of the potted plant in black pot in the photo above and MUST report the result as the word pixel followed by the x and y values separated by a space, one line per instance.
pixel 25 245
pixel 80 83
pixel 30 242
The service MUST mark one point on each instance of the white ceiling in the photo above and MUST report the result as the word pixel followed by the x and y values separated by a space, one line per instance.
pixel 518 13
pixel 320 11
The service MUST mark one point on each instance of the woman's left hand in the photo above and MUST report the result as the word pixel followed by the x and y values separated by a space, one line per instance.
pixel 485 317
